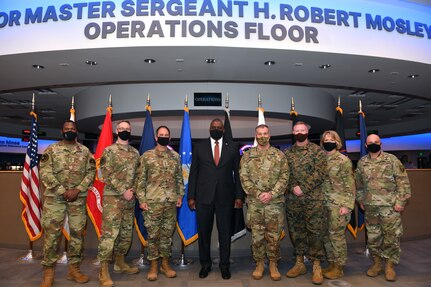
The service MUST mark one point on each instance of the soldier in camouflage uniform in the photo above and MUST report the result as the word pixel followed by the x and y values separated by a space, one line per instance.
pixel 118 165
pixel 339 191
pixel 67 170
pixel 305 207
pixel 264 173
pixel 383 189
pixel 160 190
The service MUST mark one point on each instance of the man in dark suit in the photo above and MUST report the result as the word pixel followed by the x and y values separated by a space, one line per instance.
pixel 215 188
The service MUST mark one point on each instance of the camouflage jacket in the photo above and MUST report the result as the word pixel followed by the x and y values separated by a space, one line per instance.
pixel 264 171
pixel 67 166
pixel 118 165
pixel 382 181
pixel 159 177
pixel 308 170
pixel 339 187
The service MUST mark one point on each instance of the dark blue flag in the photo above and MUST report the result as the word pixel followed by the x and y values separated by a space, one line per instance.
pixel 147 142
pixel 362 152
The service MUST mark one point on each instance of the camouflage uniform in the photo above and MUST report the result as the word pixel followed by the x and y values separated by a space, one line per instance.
pixel 63 167
pixel 159 184
pixel 339 190
pixel 306 218
pixel 265 171
pixel 383 183
pixel 118 165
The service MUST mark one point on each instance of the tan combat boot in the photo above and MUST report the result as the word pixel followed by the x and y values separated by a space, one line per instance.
pixel 166 269
pixel 317 277
pixel 104 277
pixel 258 272
pixel 120 266
pixel 298 269
pixel 335 273
pixel 152 273
pixel 48 277
pixel 390 272
pixel 376 268
pixel 329 268
pixel 273 271
pixel 74 274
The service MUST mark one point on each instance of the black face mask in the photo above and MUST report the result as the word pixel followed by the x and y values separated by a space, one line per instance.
pixel 300 137
pixel 163 141
pixel 373 148
pixel 329 146
pixel 216 134
pixel 124 135
pixel 70 136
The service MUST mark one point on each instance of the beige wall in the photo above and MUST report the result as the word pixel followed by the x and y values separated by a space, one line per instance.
pixel 416 218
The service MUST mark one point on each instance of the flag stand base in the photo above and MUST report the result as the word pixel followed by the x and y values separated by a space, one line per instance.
pixel 182 261
pixel 63 259
pixel 141 261
pixel 29 257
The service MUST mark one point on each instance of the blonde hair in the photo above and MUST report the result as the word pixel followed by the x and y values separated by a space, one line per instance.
pixel 334 136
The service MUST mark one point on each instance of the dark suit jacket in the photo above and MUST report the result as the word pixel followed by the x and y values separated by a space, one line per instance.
pixel 209 183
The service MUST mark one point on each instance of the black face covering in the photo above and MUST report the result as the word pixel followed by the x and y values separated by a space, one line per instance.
pixel 300 137
pixel 373 148
pixel 163 141
pixel 70 136
pixel 329 146
pixel 216 134
pixel 124 135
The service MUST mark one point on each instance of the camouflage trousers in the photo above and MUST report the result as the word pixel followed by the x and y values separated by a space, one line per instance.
pixel 54 211
pixel 160 220
pixel 117 226
pixel 384 230
pixel 266 222
pixel 307 221
pixel 335 238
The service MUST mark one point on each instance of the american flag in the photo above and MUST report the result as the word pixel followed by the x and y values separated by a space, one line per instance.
pixel 29 193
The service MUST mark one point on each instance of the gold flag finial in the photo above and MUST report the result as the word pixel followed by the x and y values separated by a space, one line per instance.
pixel 73 102
pixel 259 102
pixel 148 100
pixel 226 102
pixel 32 103
pixel 110 100
pixel 360 106
pixel 186 101
pixel 339 101
pixel 292 105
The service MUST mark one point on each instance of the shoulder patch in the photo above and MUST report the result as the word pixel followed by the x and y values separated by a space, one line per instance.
pixel 44 158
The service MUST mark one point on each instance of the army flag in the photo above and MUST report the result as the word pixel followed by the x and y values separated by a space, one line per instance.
pixel 238 227
pixel 29 192
pixel 186 224
pixel 147 142
pixel 362 152
pixel 95 194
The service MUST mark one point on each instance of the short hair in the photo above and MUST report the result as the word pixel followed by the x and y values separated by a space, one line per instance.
pixel 334 135
pixel 70 121
pixel 217 120
pixel 163 127
pixel 301 123
pixel 124 121
pixel 260 127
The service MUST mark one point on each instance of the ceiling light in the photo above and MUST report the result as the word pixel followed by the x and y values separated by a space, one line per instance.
pixel 179 60
pixel 179 70
pixel 325 66
pixel 394 73
pixel 269 63
pixel 413 76
pixel 210 61
pixel 149 61
pixel 373 71
pixel 299 64
pixel 91 63
pixel 38 67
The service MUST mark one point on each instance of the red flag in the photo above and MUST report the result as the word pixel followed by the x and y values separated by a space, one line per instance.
pixel 29 192
pixel 95 193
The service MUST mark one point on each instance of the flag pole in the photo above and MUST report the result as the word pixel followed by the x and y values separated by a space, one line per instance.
pixel 29 257
pixel 182 261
